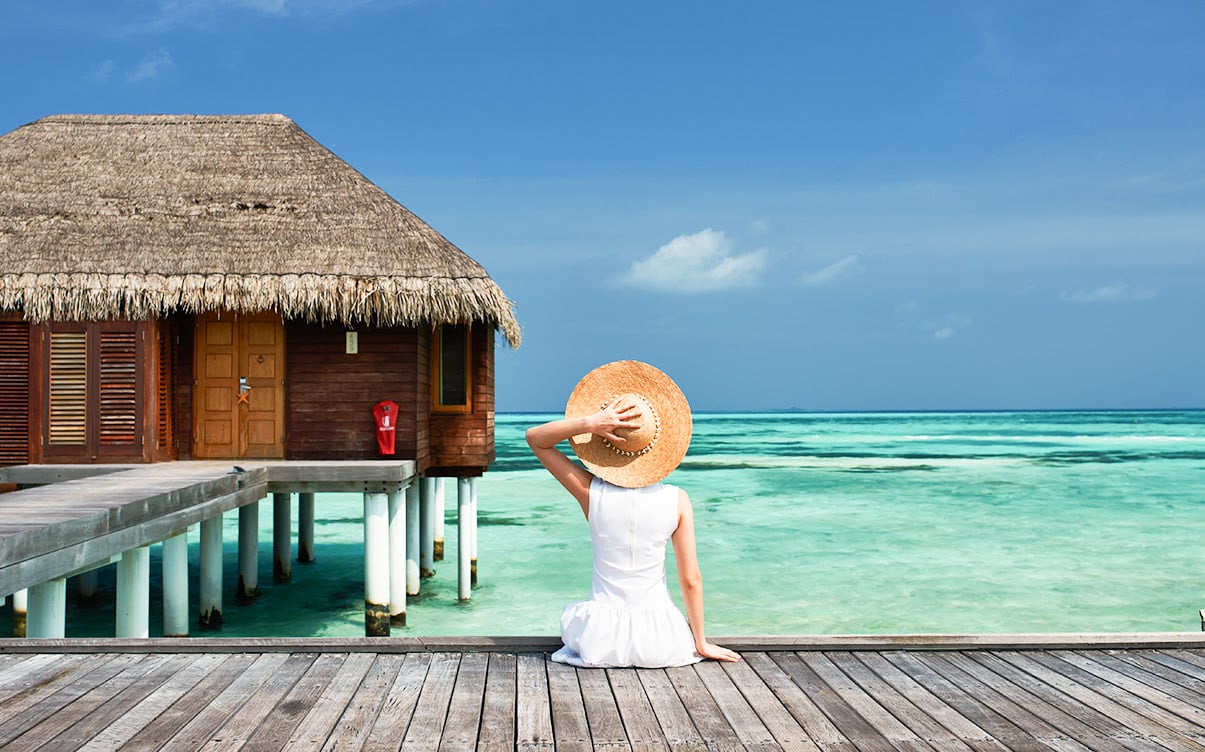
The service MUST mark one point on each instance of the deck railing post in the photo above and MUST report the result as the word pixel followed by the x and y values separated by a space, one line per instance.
pixel 211 572
pixel 464 540
pixel 47 617
pixel 376 564
pixel 282 537
pixel 305 527
pixel 473 531
pixel 20 612
pixel 426 559
pixel 248 551
pixel 397 558
pixel 175 585
pixel 134 593
pixel 413 576
pixel 437 543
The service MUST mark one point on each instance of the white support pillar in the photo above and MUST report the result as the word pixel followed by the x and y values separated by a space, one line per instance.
pixel 464 541
pixel 473 531
pixel 282 537
pixel 437 545
pixel 175 585
pixel 86 582
pixel 413 577
pixel 20 612
pixel 376 565
pixel 397 558
pixel 211 572
pixel 134 593
pixel 305 527
pixel 248 551
pixel 426 543
pixel 47 610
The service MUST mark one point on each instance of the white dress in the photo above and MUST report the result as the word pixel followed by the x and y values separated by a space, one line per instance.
pixel 629 619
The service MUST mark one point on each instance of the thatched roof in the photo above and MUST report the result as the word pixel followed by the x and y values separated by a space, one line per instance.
pixel 127 216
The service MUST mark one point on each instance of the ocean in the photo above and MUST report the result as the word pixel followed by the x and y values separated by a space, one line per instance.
pixel 811 523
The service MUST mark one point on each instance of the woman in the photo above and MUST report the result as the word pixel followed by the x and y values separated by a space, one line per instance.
pixel 630 426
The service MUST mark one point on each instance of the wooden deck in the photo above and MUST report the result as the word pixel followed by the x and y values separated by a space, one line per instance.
pixel 78 516
pixel 498 695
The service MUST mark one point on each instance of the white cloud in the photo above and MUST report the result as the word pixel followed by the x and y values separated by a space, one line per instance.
pixel 759 226
pixel 1115 293
pixel 104 71
pixel 697 263
pixel 952 324
pixel 908 306
pixel 830 272
pixel 151 66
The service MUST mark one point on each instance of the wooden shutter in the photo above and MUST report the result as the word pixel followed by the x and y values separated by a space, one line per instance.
pixel 68 389
pixel 163 389
pixel 14 392
pixel 117 382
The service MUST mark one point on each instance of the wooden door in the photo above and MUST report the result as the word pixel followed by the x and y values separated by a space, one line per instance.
pixel 239 403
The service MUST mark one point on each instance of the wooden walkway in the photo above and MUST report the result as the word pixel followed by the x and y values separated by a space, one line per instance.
pixel 386 696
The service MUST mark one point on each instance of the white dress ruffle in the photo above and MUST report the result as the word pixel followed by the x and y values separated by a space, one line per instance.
pixel 629 619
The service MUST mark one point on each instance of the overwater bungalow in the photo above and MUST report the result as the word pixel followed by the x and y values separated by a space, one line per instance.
pixel 225 287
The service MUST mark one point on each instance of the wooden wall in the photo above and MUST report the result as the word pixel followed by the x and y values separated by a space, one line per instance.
pixel 463 443
pixel 330 394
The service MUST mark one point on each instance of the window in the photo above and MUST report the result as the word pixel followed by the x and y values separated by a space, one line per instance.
pixel 94 390
pixel 14 392
pixel 450 372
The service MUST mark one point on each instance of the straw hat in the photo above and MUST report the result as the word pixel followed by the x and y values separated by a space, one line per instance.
pixel 651 451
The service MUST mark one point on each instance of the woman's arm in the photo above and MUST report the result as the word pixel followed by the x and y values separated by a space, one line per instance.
pixel 691 581
pixel 543 440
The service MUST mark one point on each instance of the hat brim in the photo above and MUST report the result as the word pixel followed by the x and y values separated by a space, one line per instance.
pixel 600 388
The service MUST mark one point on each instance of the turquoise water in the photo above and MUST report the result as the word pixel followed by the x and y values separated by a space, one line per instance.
pixel 819 523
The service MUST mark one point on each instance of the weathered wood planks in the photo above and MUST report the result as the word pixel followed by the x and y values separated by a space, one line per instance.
pixel 494 700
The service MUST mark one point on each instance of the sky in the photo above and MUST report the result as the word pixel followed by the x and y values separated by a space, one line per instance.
pixel 863 205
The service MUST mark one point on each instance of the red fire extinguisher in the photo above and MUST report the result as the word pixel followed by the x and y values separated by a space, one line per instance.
pixel 385 413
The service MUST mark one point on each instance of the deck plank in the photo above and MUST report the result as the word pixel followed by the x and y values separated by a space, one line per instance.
pixel 898 703
pixel 278 725
pixel 137 718
pixel 1171 694
pixel 389 727
pixel 257 707
pixel 353 728
pixel 1029 714
pixel 971 705
pixel 639 721
pixel 498 711
pixel 569 728
pixel 179 713
pixel 201 727
pixel 703 710
pixel 1134 701
pixel 952 700
pixel 317 725
pixel 677 727
pixel 533 712
pixel 40 680
pixel 427 722
pixel 602 711
pixel 463 720
pixel 771 711
pixel 1074 717
pixel 740 715
pixel 799 704
pixel 924 698
pixel 124 702
pixel 72 705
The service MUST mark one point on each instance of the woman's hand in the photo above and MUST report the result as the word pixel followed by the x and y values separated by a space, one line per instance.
pixel 619 414
pixel 716 653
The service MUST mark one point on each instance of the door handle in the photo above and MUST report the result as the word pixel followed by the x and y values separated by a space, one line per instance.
pixel 244 391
